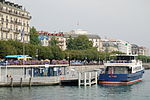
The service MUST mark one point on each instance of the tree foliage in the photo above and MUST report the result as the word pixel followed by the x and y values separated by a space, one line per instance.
pixel 80 43
pixel 53 42
pixel 34 37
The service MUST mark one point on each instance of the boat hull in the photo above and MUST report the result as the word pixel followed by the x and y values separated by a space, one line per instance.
pixel 120 79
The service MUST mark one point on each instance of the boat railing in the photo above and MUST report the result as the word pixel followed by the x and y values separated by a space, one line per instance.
pixel 120 61
pixel 125 61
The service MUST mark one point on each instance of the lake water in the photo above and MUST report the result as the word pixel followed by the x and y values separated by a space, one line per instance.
pixel 139 91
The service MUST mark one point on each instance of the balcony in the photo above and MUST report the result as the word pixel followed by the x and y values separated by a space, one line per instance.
pixel 15 14
pixel 16 31
pixel 5 29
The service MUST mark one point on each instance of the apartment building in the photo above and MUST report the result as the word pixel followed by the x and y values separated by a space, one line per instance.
pixel 62 37
pixel 143 51
pixel 45 38
pixel 96 40
pixel 14 22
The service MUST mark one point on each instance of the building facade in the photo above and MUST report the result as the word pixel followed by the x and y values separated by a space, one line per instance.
pixel 62 37
pixel 96 40
pixel 143 51
pixel 110 45
pixel 45 38
pixel 14 22
pixel 135 49
pixel 125 47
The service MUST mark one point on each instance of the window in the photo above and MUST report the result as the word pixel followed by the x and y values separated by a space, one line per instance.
pixel 6 35
pixel 2 35
pixel 10 27
pixel 6 25
pixel 118 70
pixel 11 36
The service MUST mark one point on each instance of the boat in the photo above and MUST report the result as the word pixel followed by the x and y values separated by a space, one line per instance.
pixel 122 70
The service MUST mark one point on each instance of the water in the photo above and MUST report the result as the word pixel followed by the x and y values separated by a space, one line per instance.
pixel 139 91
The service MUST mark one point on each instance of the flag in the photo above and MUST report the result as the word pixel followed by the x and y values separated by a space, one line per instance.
pixel 22 35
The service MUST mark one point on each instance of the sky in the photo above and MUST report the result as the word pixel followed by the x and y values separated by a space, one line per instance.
pixel 128 20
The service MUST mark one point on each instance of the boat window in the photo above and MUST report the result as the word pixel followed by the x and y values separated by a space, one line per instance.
pixel 118 70
pixel 125 58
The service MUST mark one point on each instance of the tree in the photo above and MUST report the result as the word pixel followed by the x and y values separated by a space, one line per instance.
pixel 34 37
pixel 6 49
pixel 80 43
pixel 45 53
pixel 53 42
pixel 57 53
pixel 70 43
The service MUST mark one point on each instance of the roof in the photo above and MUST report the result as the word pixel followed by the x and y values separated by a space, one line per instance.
pixel 90 36
pixel 16 56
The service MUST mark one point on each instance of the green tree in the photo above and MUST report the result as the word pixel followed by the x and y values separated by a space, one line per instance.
pixel 80 43
pixel 70 43
pixel 58 54
pixel 45 53
pixel 53 42
pixel 34 37
pixel 6 49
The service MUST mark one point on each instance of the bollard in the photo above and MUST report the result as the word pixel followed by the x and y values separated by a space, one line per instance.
pixel 11 83
pixel 21 82
pixel 30 81
pixel 79 79
pixel 89 78
pixel 96 77
pixel 85 79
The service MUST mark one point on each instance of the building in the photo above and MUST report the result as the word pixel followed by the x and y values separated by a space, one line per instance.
pixel 139 50
pixel 62 37
pixel 125 47
pixel 109 45
pixel 96 40
pixel 45 38
pixel 143 51
pixel 14 22
pixel 135 49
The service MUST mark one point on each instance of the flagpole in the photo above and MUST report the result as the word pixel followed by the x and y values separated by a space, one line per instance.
pixel 22 39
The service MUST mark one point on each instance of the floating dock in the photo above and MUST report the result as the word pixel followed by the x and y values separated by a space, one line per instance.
pixel 83 79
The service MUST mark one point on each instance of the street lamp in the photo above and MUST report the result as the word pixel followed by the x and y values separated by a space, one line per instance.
pixel 68 60
pixel 37 51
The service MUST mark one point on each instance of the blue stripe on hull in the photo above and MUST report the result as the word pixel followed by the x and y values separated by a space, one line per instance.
pixel 120 77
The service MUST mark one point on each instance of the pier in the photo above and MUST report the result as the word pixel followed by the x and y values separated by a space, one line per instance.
pixel 42 75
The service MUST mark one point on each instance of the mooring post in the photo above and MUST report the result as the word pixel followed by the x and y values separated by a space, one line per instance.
pixel 84 78
pixel 30 81
pixel 21 82
pixel 89 78
pixel 96 77
pixel 11 83
pixel 79 79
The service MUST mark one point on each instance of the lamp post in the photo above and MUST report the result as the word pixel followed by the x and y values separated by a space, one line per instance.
pixel 99 60
pixel 68 60
pixel 37 52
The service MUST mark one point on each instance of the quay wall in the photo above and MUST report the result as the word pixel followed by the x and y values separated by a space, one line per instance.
pixel 85 68
pixel 146 65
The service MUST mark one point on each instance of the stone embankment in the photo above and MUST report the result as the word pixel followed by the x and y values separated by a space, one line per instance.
pixel 86 68
pixel 146 65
